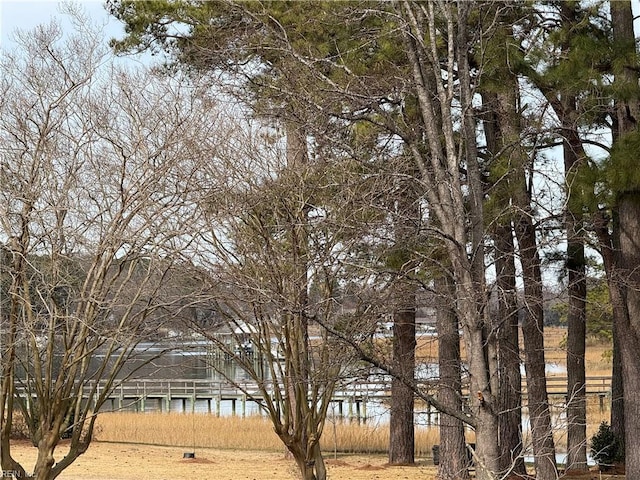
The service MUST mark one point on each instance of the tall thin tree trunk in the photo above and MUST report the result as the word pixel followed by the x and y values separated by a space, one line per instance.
pixel 623 281
pixel 533 335
pixel 509 396
pixel 577 290
pixel 401 421
pixel 628 279
pixel 437 154
pixel 617 385
pixel 513 160
pixel 453 453
pixel 506 323
pixel 577 286
pixel 608 253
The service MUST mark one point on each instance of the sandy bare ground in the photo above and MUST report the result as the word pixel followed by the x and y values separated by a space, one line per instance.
pixel 117 461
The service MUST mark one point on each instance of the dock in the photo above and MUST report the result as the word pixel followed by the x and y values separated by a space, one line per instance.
pixel 354 401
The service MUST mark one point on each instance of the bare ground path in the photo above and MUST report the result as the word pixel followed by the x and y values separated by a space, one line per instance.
pixel 118 461
pixel 126 461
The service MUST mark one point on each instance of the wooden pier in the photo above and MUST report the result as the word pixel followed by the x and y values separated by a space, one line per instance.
pixel 207 396
pixel 239 399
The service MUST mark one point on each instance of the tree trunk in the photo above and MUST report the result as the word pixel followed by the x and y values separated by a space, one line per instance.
pixel 437 153
pixel 617 385
pixel 575 264
pixel 304 435
pixel 401 422
pixel 310 468
pixel 628 278
pixel 607 251
pixel 509 393
pixel 514 160
pixel 506 323
pixel 533 335
pixel 45 461
pixel 576 334
pixel 577 291
pixel 452 439
pixel 624 410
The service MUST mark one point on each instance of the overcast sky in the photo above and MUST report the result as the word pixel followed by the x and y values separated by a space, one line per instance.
pixel 26 14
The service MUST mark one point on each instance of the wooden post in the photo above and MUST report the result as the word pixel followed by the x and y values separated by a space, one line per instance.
pixel 193 399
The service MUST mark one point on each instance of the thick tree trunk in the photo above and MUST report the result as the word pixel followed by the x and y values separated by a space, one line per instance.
pixel 576 377
pixel 509 393
pixel 628 279
pixel 453 453
pixel 625 418
pixel 577 290
pixel 506 322
pixel 45 461
pixel 533 335
pixel 609 258
pixel 401 422
pixel 617 385
pixel 577 287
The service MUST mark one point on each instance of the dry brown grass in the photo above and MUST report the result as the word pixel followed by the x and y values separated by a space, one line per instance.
pixel 597 356
pixel 250 433
pixel 188 430
pixel 256 433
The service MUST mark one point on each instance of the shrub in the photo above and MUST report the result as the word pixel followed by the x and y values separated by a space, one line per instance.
pixel 605 446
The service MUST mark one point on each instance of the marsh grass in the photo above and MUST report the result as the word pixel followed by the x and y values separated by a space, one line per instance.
pixel 194 431
pixel 597 353
pixel 596 413
pixel 249 433
pixel 340 436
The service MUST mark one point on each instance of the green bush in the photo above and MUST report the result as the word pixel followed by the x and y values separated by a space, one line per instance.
pixel 605 446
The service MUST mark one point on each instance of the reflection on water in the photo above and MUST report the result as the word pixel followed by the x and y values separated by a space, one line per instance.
pixel 194 360
pixel 191 361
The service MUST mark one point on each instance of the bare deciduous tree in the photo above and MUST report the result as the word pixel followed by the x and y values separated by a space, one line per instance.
pixel 94 172
pixel 268 260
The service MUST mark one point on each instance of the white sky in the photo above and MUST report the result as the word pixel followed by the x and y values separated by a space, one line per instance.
pixel 26 14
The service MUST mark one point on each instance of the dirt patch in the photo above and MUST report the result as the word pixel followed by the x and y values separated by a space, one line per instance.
pixel 196 460
pixel 121 461
pixel 369 467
